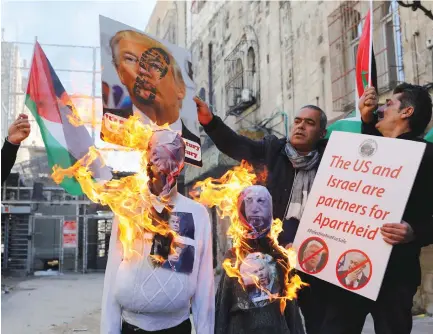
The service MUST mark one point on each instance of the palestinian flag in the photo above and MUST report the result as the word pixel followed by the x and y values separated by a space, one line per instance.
pixel 50 105
pixel 366 75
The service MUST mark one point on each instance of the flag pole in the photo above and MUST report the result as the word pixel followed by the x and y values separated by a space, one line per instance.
pixel 28 81
pixel 371 43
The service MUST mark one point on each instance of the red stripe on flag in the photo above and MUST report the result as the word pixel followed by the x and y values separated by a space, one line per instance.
pixel 363 56
pixel 40 87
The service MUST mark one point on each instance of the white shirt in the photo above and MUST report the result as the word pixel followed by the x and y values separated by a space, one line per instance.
pixel 156 298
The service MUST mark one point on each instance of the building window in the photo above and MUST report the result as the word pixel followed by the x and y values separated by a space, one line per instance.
pixel 251 58
pixel 390 58
pixel 344 29
pixel 242 76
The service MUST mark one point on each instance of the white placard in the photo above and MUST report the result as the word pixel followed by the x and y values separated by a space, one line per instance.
pixel 362 182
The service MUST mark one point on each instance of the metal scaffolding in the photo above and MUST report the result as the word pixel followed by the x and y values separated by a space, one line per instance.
pixel 34 209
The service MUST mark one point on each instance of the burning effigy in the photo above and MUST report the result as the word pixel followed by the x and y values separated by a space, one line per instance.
pixel 160 257
pixel 258 271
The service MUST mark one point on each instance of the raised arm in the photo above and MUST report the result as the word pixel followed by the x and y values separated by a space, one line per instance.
pixel 9 155
pixel 17 132
pixel 229 142
pixel 367 105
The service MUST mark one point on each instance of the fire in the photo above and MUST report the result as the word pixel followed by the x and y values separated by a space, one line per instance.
pixel 223 193
pixel 129 198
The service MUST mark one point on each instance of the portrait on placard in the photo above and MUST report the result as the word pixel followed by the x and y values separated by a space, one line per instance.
pixel 313 255
pixel 354 269
pixel 149 78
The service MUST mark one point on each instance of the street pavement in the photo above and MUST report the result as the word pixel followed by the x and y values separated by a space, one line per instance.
pixel 70 304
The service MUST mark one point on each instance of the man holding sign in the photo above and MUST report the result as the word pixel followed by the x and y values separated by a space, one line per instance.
pixel 291 164
pixel 405 117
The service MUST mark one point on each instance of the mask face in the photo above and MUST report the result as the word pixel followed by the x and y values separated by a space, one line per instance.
pixel 255 210
pixel 165 158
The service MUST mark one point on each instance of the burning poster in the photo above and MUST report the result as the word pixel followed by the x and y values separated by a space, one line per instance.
pixel 260 267
pixel 149 78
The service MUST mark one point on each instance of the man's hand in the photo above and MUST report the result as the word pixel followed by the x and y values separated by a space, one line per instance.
pixel 203 112
pixel 352 277
pixel 397 233
pixel 367 104
pixel 288 246
pixel 19 130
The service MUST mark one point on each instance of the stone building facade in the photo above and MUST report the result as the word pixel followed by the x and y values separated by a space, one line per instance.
pixel 258 62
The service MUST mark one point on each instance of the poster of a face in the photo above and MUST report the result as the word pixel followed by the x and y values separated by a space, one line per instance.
pixel 183 224
pixel 181 260
pixel 150 78
pixel 261 268
pixel 255 210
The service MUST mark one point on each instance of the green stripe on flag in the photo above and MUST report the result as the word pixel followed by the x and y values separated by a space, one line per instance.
pixel 429 136
pixel 346 125
pixel 56 153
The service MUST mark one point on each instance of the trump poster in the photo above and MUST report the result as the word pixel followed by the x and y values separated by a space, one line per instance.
pixel 149 78
pixel 360 185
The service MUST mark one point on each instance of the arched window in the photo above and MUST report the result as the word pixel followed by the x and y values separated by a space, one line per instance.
pixel 251 60
pixel 239 66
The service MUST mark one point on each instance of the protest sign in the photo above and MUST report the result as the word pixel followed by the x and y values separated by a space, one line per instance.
pixel 150 78
pixel 70 233
pixel 362 182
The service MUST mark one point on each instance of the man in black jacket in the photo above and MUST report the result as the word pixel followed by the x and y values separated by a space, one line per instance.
pixel 405 116
pixel 291 166
pixel 18 131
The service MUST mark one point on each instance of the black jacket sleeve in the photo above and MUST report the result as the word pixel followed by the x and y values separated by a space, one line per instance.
pixel 235 146
pixel 370 128
pixel 9 155
pixel 420 217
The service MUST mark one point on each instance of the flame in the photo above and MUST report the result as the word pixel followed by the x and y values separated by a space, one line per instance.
pixel 129 198
pixel 223 193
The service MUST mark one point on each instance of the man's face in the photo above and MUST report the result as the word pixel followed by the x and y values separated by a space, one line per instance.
pixel 306 130
pixel 147 73
pixel 257 210
pixel 314 260
pixel 390 115
pixel 261 271
pixel 174 223
pixel 356 262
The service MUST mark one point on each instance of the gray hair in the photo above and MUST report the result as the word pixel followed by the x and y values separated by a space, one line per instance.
pixel 323 117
